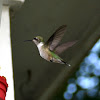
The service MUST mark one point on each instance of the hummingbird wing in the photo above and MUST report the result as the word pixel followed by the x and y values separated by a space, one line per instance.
pixel 54 40
pixel 61 48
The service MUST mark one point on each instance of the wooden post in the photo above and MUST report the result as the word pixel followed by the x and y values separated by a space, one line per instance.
pixel 0 9
pixel 6 68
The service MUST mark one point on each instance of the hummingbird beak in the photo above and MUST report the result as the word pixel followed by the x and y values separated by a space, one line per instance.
pixel 28 41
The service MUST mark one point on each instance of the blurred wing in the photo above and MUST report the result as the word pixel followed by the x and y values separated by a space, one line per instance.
pixel 61 48
pixel 53 41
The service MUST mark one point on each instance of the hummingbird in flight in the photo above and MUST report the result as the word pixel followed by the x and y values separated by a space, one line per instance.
pixel 51 49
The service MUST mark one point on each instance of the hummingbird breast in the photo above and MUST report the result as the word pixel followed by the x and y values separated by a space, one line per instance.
pixel 44 52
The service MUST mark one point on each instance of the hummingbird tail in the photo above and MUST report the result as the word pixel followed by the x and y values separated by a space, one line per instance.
pixel 66 63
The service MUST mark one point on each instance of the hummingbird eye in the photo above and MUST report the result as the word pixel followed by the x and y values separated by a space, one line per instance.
pixel 35 39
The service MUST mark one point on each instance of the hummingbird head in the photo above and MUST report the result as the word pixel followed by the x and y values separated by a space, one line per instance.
pixel 37 40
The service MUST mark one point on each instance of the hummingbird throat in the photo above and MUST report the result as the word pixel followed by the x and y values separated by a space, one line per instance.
pixel 40 45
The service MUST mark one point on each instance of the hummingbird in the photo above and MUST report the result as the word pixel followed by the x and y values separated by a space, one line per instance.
pixel 51 49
